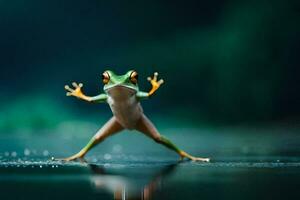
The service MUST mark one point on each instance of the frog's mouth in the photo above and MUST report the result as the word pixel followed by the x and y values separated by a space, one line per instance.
pixel 120 90
pixel 119 86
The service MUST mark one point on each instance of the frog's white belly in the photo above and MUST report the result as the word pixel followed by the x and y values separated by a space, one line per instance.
pixel 125 106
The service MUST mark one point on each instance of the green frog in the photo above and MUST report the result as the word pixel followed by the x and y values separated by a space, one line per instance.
pixel 122 94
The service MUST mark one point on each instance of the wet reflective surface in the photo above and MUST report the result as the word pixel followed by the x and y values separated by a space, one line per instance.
pixel 130 166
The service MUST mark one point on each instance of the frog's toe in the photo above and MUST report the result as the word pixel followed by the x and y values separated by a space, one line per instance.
pixel 155 76
pixel 68 88
pixel 161 81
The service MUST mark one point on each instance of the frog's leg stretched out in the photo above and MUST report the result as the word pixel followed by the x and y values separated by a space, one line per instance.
pixel 145 126
pixel 110 127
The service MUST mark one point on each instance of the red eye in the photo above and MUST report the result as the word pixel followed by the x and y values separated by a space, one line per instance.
pixel 134 77
pixel 105 77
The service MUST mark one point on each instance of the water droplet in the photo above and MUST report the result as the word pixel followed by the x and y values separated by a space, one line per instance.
pixel 26 152
pixel 52 166
pixel 45 153
pixel 41 166
pixel 107 156
pixel 13 154
pixel 117 148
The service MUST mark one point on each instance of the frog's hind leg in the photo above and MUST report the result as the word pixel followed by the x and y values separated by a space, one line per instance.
pixel 145 126
pixel 111 127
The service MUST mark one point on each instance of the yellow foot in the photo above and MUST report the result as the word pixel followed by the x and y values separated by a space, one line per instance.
pixel 71 158
pixel 76 91
pixel 155 83
pixel 186 155
pixel 200 159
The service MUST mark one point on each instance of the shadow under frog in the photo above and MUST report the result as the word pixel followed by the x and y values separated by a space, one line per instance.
pixel 136 183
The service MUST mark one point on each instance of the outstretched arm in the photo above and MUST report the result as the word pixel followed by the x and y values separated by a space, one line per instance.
pixel 78 93
pixel 155 85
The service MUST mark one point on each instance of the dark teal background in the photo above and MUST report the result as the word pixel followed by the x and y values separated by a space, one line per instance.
pixel 231 93
pixel 223 62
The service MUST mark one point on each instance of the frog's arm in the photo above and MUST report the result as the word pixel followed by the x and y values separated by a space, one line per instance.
pixel 155 85
pixel 78 93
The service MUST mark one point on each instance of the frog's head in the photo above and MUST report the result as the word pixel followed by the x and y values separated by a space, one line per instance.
pixel 128 81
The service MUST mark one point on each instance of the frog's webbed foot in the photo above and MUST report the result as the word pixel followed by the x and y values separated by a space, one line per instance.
pixel 76 91
pixel 192 158
pixel 71 158
pixel 200 159
pixel 155 84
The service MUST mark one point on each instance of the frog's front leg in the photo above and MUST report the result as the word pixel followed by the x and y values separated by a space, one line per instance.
pixel 155 85
pixel 76 92
pixel 145 126
pixel 111 127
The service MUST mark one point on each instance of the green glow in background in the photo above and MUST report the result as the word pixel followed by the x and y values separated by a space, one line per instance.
pixel 231 93
pixel 223 62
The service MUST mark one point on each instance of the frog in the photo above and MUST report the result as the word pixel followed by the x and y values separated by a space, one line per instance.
pixel 122 94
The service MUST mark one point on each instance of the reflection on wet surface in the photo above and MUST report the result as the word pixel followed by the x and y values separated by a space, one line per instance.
pixel 138 181
pixel 247 179
pixel 126 187
pixel 240 169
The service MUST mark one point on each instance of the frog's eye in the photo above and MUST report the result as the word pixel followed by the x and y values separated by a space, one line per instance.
pixel 134 77
pixel 105 77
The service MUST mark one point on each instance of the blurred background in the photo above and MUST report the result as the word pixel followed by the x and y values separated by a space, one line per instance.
pixel 231 93
pixel 223 62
